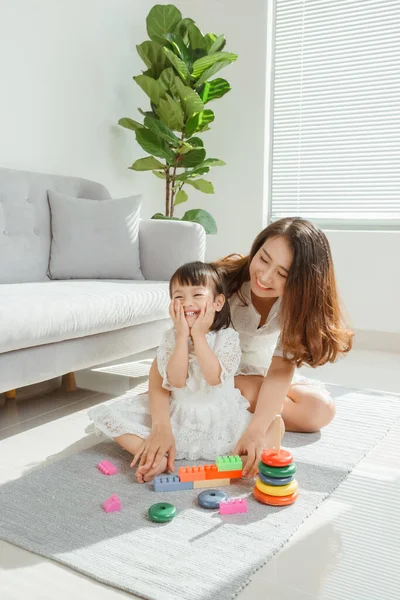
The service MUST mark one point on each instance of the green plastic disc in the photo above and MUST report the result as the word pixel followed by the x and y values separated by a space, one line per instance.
pixel 277 471
pixel 162 512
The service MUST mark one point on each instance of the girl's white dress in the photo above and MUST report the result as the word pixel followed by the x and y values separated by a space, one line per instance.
pixel 259 344
pixel 206 421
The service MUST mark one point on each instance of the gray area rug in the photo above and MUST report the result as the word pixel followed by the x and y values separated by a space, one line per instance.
pixel 56 512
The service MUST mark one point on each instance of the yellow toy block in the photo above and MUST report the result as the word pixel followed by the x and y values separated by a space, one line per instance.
pixel 211 483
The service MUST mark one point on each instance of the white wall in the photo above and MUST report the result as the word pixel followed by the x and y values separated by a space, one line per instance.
pixel 66 78
pixel 66 70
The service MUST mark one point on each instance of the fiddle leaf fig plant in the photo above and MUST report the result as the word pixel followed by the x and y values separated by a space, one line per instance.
pixel 179 81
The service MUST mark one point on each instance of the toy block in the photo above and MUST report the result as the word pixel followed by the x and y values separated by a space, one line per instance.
pixel 112 504
pixel 232 506
pixel 213 473
pixel 170 483
pixel 229 463
pixel 106 467
pixel 210 483
pixel 192 473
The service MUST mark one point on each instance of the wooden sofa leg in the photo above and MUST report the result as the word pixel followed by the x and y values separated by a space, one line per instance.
pixel 11 394
pixel 68 382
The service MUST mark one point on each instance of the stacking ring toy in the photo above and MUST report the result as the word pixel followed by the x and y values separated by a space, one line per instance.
pixel 277 471
pixel 275 500
pixel 162 512
pixel 284 490
pixel 275 480
pixel 276 459
pixel 211 498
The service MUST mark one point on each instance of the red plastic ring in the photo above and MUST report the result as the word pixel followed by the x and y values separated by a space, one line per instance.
pixel 271 458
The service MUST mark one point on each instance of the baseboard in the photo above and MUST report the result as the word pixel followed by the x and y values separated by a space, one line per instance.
pixel 384 341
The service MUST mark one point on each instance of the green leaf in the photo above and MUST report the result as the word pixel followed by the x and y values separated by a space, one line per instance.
pixel 180 197
pixel 210 38
pixel 198 215
pixel 190 99
pixel 193 158
pixel 162 131
pixel 213 162
pixel 170 113
pixel 208 61
pixel 151 143
pixel 162 19
pixel 178 64
pixel 149 86
pixel 214 89
pixel 148 113
pixel 196 142
pixel 196 38
pixel 199 122
pixel 190 174
pixel 167 79
pixel 211 71
pixel 162 217
pixel 130 124
pixel 217 45
pixel 153 57
pixel 181 29
pixel 202 185
pixel 180 48
pixel 160 175
pixel 146 164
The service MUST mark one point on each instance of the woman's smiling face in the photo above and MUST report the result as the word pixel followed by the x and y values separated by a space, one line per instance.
pixel 270 267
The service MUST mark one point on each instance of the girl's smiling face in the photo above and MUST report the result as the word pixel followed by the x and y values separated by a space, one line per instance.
pixel 270 267
pixel 194 299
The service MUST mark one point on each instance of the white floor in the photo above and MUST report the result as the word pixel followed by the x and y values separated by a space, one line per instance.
pixel 347 550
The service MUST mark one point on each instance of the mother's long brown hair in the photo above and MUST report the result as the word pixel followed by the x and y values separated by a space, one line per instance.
pixel 313 331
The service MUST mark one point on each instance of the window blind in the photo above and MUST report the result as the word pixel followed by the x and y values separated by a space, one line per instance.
pixel 336 111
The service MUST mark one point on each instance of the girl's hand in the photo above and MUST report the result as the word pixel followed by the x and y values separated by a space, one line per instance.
pixel 252 443
pixel 204 321
pixel 160 442
pixel 177 314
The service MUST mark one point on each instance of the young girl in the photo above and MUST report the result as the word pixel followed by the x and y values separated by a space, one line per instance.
pixel 285 307
pixel 197 361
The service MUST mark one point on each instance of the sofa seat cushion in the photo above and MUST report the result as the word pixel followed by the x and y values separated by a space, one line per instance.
pixel 32 314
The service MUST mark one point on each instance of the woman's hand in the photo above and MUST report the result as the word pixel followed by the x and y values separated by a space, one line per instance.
pixel 177 314
pixel 161 442
pixel 252 443
pixel 204 321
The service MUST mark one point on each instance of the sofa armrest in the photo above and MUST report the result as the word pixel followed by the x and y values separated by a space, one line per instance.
pixel 166 245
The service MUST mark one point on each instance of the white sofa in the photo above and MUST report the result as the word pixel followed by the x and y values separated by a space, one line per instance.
pixel 49 328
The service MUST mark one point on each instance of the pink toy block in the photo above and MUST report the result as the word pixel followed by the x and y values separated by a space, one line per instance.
pixel 107 467
pixel 232 506
pixel 112 504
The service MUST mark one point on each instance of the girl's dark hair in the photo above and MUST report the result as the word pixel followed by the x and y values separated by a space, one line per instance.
pixel 313 331
pixel 204 274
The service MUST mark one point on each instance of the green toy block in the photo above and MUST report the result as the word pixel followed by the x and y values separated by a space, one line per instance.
pixel 229 463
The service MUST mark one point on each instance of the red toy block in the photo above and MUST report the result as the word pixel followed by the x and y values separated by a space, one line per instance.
pixel 106 467
pixel 213 473
pixel 192 473
pixel 112 504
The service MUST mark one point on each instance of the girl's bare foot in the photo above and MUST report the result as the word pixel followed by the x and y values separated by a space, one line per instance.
pixel 143 476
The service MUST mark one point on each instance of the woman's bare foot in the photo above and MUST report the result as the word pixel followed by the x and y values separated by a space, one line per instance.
pixel 143 476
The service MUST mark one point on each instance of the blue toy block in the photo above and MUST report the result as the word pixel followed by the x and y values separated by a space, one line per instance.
pixel 170 483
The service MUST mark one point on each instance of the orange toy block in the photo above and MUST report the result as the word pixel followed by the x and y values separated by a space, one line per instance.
pixel 192 473
pixel 213 473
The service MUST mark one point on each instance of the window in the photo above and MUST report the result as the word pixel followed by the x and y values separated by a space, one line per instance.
pixel 335 155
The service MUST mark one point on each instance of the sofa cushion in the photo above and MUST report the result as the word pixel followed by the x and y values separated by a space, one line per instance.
pixel 25 220
pixel 94 240
pixel 41 313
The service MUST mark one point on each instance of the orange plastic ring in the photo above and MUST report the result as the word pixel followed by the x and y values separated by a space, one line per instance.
pixel 275 500
pixel 271 458
pixel 277 490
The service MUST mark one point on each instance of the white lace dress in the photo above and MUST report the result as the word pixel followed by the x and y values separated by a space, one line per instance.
pixel 207 421
pixel 259 344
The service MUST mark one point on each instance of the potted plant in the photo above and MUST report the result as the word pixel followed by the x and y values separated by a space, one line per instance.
pixel 180 65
